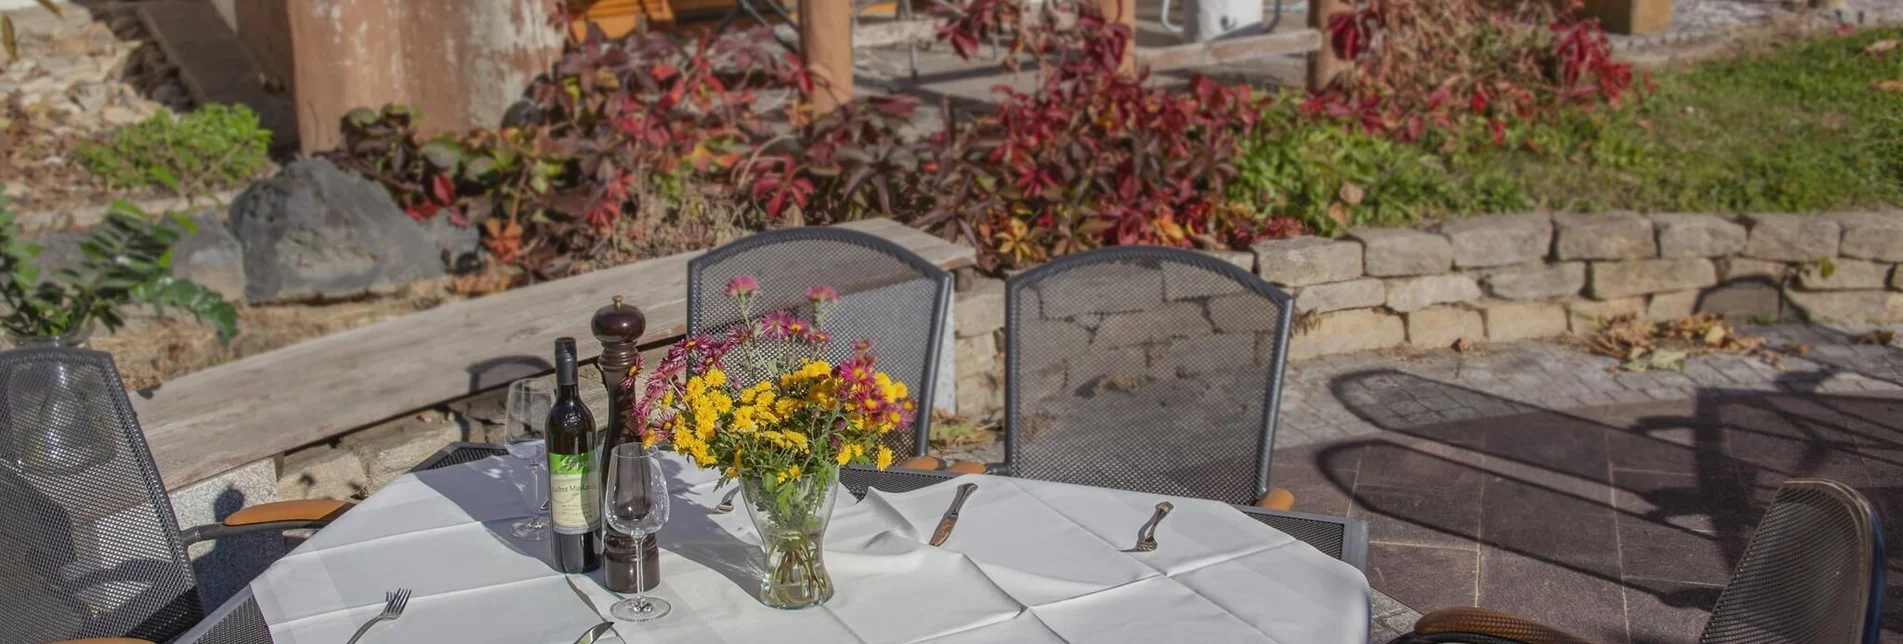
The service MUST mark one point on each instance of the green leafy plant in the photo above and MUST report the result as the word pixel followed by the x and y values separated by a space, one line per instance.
pixel 125 260
pixel 217 146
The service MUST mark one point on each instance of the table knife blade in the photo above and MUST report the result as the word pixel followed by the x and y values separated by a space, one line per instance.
pixel 594 632
pixel 946 524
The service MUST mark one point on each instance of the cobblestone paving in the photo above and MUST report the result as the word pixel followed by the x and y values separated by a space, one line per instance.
pixel 1356 395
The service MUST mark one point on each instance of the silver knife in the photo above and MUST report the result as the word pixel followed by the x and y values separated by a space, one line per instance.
pixel 589 637
pixel 594 632
pixel 951 514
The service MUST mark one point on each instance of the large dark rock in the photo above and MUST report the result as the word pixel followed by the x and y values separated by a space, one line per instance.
pixel 314 231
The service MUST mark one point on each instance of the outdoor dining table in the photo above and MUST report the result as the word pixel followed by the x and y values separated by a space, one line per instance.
pixel 1029 561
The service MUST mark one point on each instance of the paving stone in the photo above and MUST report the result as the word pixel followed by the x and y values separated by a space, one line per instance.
pixel 1348 331
pixel 1243 313
pixel 979 310
pixel 1396 252
pixel 1055 340
pixel 1192 356
pixel 1603 236
pixel 1671 306
pixel 1536 281
pixel 1438 327
pixel 1514 321
pixel 1869 235
pixel 1849 274
pixel 1165 321
pixel 979 375
pixel 1610 280
pixel 1352 294
pixel 1585 316
pixel 1691 235
pixel 1499 240
pixel 1847 306
pixel 1085 369
pixel 1732 269
pixel 1413 293
pixel 1791 238
pixel 1302 261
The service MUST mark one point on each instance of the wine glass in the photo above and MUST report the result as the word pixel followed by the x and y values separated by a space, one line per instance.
pixel 527 417
pixel 635 502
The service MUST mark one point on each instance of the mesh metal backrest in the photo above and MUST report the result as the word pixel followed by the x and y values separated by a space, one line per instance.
pixel 89 546
pixel 887 294
pixel 1812 574
pixel 1144 368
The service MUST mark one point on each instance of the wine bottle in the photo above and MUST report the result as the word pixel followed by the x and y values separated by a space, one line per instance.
pixel 574 470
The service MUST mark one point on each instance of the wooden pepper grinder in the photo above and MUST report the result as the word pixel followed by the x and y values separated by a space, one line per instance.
pixel 619 327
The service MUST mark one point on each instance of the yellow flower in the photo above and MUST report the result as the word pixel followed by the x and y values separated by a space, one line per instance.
pixel 723 403
pixel 899 390
pixel 649 438
pixel 845 456
pixel 784 406
pixel 716 377
pixel 885 458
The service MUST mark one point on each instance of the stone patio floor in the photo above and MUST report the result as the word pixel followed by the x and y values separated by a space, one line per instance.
pixel 1534 479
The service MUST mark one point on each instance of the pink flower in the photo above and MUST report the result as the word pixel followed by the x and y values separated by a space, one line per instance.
pixel 816 336
pixel 822 295
pixel 742 286
pixel 778 325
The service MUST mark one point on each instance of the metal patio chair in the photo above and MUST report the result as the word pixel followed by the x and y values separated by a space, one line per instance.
pixel 1813 574
pixel 1145 368
pixel 92 547
pixel 887 295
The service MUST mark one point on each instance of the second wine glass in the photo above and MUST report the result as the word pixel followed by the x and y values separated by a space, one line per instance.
pixel 526 419
pixel 635 502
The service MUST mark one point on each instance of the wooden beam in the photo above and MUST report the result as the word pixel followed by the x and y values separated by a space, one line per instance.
pixel 826 44
pixel 1324 65
pixel 895 32
pixel 1230 50
pixel 207 422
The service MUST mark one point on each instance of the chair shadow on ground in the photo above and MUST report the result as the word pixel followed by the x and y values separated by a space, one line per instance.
pixel 1618 523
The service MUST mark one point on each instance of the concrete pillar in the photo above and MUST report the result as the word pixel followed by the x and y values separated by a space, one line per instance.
pixel 1124 12
pixel 1324 65
pixel 461 63
pixel 826 46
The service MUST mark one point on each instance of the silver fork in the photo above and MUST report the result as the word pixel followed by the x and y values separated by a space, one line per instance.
pixel 393 604
pixel 726 502
pixel 1146 536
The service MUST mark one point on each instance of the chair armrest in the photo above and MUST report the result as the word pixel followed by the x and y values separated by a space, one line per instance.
pixel 104 640
pixel 1493 625
pixel 931 464
pixel 271 517
pixel 1277 499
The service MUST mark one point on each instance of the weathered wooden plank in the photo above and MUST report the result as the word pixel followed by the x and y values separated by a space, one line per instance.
pixel 204 423
pixel 1228 51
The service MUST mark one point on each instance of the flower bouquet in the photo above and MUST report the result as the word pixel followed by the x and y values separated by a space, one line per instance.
pixel 762 405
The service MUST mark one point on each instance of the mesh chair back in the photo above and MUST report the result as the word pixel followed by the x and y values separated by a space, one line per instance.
pixel 88 543
pixel 1813 573
pixel 1144 368
pixel 887 294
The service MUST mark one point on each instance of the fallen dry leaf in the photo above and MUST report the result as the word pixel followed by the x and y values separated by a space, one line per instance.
pixel 1887 85
pixel 1879 47
pixel 1351 194
pixel 1464 345
pixel 1338 212
pixel 1878 336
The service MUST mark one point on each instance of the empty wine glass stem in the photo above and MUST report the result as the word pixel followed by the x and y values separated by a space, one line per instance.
pixel 640 567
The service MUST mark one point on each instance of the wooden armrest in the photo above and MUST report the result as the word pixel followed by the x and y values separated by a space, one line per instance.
pixel 966 467
pixel 104 640
pixel 1277 499
pixel 282 511
pixel 926 463
pixel 1495 623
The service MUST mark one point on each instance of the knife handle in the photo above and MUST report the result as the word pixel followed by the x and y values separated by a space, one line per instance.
pixel 951 515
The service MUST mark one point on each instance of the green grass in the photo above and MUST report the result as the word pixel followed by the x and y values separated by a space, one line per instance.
pixel 1793 127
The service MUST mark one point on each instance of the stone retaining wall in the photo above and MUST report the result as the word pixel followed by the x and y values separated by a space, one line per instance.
pixel 1516 277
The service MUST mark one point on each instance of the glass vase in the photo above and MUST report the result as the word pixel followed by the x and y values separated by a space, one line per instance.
pixel 791 517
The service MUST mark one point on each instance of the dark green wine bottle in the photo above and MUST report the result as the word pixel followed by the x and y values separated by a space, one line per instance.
pixel 574 470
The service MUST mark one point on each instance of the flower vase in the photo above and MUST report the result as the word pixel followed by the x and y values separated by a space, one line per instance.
pixel 791 517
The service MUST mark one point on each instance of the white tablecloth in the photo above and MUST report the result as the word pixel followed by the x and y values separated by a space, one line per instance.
pixel 1030 562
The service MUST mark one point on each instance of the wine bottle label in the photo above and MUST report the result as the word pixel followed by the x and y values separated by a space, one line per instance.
pixel 574 499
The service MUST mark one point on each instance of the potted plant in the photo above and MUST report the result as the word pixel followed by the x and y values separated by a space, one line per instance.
pixel 124 261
